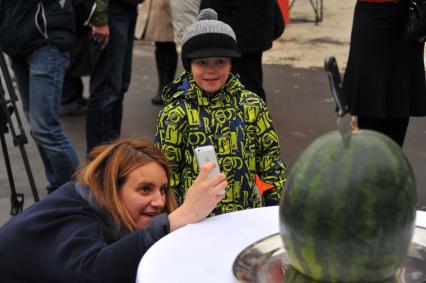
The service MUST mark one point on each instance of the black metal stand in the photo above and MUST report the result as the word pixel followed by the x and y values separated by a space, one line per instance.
pixel 7 109
pixel 317 6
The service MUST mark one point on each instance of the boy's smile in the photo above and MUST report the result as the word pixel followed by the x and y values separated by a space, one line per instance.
pixel 211 73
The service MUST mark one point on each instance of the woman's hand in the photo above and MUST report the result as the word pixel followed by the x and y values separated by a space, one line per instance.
pixel 200 199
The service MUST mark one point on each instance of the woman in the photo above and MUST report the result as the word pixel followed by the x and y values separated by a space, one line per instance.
pixel 385 78
pixel 98 228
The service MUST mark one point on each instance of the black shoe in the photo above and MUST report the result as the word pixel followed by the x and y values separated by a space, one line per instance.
pixel 77 107
pixel 157 100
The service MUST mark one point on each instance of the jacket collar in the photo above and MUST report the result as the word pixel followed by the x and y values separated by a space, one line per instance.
pixel 185 88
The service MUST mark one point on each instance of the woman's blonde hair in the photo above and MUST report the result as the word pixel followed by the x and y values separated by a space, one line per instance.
pixel 107 168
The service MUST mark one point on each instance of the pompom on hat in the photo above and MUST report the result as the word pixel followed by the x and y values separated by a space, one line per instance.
pixel 208 37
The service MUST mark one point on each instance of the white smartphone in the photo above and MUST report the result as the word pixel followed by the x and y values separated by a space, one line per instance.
pixel 205 154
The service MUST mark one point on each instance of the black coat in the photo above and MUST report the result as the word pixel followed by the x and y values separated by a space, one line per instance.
pixel 19 34
pixel 251 20
pixel 66 237
pixel 385 74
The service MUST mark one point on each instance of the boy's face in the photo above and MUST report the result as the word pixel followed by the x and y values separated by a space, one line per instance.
pixel 211 73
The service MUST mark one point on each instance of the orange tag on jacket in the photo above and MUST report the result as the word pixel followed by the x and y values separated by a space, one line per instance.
pixel 262 186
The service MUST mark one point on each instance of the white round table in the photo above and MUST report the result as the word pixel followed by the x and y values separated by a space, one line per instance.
pixel 204 252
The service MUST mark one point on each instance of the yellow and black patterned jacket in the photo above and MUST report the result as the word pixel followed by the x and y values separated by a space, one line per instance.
pixel 238 124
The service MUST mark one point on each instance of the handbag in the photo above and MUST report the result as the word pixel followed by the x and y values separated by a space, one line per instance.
pixel 416 21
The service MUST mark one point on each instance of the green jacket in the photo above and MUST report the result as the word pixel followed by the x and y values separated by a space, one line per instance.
pixel 238 124
pixel 100 17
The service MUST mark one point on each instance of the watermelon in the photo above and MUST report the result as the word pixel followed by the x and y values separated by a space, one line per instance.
pixel 293 276
pixel 348 212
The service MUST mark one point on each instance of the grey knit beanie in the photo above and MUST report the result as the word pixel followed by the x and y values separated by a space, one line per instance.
pixel 208 37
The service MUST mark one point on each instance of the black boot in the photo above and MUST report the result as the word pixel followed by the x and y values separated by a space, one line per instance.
pixel 157 100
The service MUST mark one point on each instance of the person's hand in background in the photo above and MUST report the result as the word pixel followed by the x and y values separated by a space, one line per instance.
pixel 101 35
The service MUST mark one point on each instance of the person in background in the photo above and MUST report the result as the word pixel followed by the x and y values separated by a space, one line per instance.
pixel 184 13
pixel 208 105
pixel 73 102
pixel 384 81
pixel 98 228
pixel 254 23
pixel 113 29
pixel 38 36
pixel 156 26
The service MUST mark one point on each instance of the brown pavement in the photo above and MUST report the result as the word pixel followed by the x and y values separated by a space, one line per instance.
pixel 299 101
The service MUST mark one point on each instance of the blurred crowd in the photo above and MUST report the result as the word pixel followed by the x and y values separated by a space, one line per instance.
pixel 94 39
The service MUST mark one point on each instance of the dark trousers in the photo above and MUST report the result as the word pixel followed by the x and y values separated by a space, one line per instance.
pixel 166 59
pixel 110 77
pixel 249 68
pixel 72 90
pixel 395 128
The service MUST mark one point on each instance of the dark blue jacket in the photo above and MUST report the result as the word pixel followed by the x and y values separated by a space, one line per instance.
pixel 26 25
pixel 67 238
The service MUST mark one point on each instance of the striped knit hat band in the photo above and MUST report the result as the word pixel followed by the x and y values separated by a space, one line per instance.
pixel 208 37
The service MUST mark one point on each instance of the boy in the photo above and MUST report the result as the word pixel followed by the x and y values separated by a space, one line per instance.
pixel 207 105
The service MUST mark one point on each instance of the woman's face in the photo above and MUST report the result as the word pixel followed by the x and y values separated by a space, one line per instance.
pixel 143 193
pixel 211 73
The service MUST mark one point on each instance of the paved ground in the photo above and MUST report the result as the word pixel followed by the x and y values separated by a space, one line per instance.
pixel 299 100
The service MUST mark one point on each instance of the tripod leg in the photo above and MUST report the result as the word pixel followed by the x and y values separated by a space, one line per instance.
pixel 16 200
pixel 18 139
pixel 29 172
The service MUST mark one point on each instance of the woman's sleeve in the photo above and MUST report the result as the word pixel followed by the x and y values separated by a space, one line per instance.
pixel 93 257
pixel 100 16
pixel 270 168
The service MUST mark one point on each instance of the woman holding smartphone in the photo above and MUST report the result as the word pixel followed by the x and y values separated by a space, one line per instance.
pixel 98 228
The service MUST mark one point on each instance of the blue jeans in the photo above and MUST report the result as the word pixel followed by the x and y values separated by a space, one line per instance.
pixel 40 77
pixel 110 77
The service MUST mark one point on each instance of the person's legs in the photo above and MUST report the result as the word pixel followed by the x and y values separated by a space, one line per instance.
pixel 184 13
pixel 166 62
pixel 171 62
pixel 72 100
pixel 72 90
pixel 21 71
pixel 110 77
pixel 41 95
pixel 159 64
pixel 395 128
pixel 249 67
pixel 117 111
